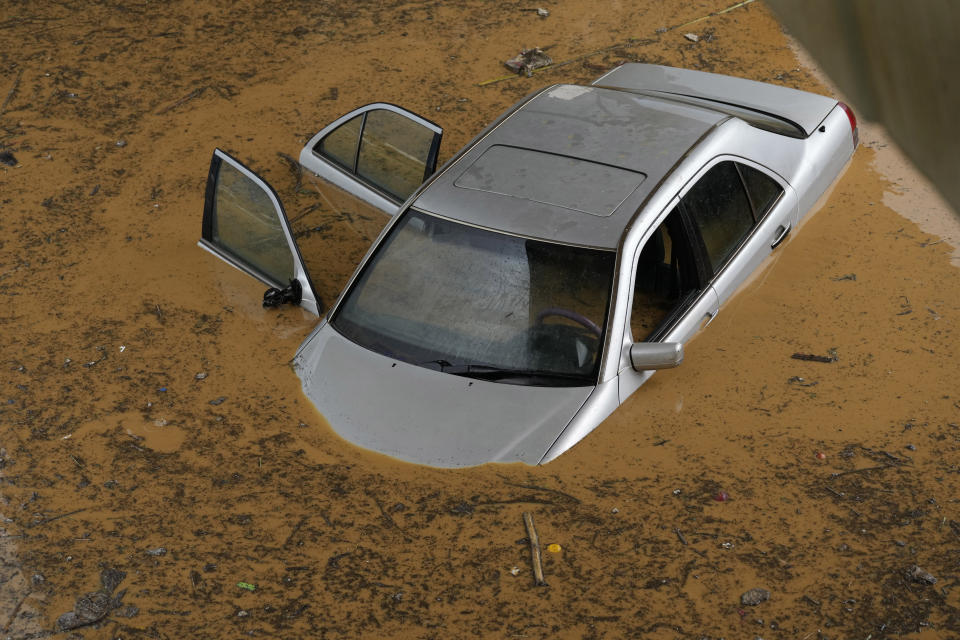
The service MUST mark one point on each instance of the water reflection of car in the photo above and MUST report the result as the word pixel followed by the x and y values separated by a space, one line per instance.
pixel 522 292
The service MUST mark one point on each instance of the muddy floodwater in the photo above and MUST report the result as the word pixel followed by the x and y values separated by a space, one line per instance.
pixel 158 457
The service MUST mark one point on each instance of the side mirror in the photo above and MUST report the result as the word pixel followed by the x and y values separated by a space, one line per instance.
pixel 646 356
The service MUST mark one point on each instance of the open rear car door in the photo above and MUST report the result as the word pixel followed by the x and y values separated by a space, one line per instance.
pixel 379 153
pixel 245 225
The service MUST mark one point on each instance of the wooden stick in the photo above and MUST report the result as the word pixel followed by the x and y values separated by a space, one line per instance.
pixel 534 550
pixel 13 91
pixel 196 93
pixel 53 519
pixel 863 470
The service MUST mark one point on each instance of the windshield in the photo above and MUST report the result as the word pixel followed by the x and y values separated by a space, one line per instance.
pixel 473 302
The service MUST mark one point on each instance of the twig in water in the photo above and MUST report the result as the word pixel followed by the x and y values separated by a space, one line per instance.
pixel 534 550
pixel 388 519
pixel 16 610
pixel 680 536
pixel 296 528
pixel 534 487
pixel 811 600
pixel 810 357
pixel 294 168
pixel 12 92
pixel 49 520
pixel 196 93
pixel 864 470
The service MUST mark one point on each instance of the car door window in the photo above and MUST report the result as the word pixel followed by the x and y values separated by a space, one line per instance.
pixel 666 277
pixel 761 188
pixel 245 225
pixel 719 207
pixel 394 152
pixel 340 145
pixel 387 150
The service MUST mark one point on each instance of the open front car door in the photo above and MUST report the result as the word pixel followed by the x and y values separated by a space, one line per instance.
pixel 245 225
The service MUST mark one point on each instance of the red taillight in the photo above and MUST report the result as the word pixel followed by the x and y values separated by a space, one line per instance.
pixel 853 123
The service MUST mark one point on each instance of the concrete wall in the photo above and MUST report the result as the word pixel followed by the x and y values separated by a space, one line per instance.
pixel 898 61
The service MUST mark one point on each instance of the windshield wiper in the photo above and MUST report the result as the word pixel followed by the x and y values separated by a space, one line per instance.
pixel 492 372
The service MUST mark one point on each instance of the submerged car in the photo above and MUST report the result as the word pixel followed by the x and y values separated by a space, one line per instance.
pixel 525 290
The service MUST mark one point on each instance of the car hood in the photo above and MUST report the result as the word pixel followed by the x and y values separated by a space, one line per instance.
pixel 425 416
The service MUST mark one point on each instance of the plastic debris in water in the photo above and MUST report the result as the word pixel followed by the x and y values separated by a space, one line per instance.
pixel 247 586
pixel 554 548
pixel 821 455
pixel 528 60
pixel 515 571
pixel 721 496
pixel 692 37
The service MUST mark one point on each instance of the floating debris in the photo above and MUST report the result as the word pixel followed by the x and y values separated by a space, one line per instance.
pixel 528 60
pixel 94 606
pixel 810 357
pixel 916 574
pixel 200 376
pixel 753 597
pixel 692 37
pixel 248 586
pixel 721 496
pixel 159 551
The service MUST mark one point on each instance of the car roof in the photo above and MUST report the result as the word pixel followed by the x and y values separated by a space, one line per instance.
pixel 572 164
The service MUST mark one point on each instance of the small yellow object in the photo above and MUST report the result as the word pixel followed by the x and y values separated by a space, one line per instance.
pixel 554 548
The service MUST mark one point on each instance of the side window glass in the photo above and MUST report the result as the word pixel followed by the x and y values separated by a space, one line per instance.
pixel 665 277
pixel 719 207
pixel 393 152
pixel 340 145
pixel 762 189
pixel 245 222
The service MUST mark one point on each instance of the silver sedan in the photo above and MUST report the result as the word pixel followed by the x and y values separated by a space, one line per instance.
pixel 520 293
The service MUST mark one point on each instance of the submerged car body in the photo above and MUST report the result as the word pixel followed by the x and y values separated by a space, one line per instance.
pixel 522 292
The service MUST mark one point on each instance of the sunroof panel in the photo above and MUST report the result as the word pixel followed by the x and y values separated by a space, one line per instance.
pixel 557 180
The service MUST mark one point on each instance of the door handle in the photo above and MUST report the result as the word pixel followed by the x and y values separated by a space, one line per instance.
pixel 707 319
pixel 782 232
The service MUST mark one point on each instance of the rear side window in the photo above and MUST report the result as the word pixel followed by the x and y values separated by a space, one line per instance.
pixel 762 189
pixel 394 152
pixel 340 145
pixel 719 207
pixel 386 149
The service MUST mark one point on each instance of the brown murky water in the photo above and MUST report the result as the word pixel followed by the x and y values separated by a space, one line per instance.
pixel 113 447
